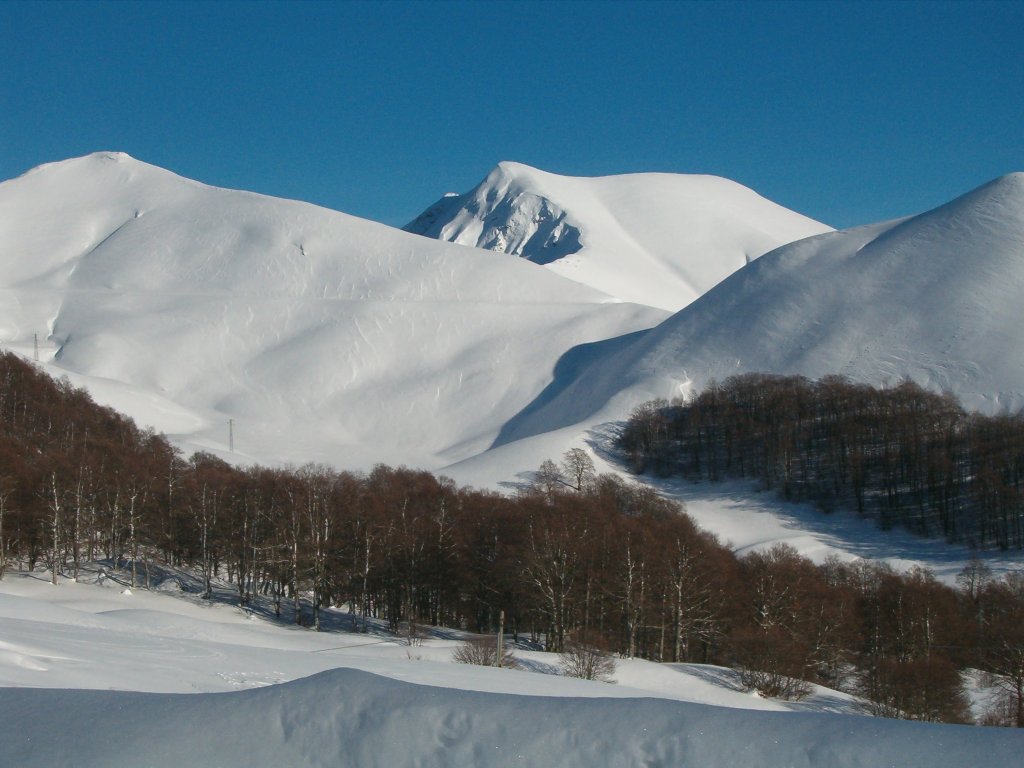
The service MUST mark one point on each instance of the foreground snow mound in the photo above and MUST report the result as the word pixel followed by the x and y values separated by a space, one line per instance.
pixel 935 297
pixel 324 337
pixel 652 238
pixel 352 718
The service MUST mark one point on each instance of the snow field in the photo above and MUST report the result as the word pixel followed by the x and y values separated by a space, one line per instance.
pixel 271 695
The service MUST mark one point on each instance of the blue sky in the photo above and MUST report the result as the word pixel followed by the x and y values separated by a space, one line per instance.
pixel 847 112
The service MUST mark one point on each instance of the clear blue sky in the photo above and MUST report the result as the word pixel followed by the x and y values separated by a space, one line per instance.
pixel 847 112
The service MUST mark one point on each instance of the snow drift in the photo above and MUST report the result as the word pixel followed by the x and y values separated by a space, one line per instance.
pixel 652 238
pixel 348 717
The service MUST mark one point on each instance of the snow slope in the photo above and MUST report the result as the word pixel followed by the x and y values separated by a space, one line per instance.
pixel 934 297
pixel 96 634
pixel 652 238
pixel 269 695
pixel 322 336
pixel 351 718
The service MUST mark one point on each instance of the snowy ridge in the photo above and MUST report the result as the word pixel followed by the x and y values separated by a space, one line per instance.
pixel 934 297
pixel 347 717
pixel 652 238
pixel 323 336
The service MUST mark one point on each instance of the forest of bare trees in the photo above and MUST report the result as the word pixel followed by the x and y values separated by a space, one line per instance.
pixel 575 558
pixel 902 455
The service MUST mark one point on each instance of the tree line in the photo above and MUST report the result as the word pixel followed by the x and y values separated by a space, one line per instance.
pixel 902 455
pixel 574 558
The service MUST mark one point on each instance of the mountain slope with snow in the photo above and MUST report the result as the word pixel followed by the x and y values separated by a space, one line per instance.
pixel 652 238
pixel 322 336
pixel 934 297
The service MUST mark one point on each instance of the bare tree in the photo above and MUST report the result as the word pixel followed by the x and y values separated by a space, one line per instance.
pixel 586 662
pixel 5 494
pixel 578 468
pixel 548 478
pixel 56 500
pixel 483 652
pixel 1003 644
pixel 552 566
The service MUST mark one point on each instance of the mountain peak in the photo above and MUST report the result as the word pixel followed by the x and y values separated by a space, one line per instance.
pixel 116 157
pixel 659 239
pixel 512 169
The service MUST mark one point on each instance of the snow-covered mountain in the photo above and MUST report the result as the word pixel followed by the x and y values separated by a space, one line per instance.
pixel 652 238
pixel 935 297
pixel 323 336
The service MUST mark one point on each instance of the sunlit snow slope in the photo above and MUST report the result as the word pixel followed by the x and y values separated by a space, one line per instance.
pixel 935 297
pixel 324 337
pixel 653 238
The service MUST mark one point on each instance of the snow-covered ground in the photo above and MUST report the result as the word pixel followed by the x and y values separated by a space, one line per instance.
pixel 342 698
pixel 748 520
pixel 99 634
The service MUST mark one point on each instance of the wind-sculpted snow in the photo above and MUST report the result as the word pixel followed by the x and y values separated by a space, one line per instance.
pixel 652 238
pixel 322 336
pixel 351 718
pixel 935 297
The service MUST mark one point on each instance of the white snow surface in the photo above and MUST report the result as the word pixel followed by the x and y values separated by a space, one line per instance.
pixel 935 298
pixel 661 239
pixel 322 336
pixel 267 695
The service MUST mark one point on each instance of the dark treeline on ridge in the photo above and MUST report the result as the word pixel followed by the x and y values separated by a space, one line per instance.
pixel 576 556
pixel 905 456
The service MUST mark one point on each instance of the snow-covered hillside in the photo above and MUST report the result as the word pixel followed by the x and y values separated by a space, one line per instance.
pixel 265 695
pixel 934 297
pixel 652 238
pixel 324 337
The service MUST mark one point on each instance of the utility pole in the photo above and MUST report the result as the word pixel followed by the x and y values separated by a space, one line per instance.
pixel 231 435
pixel 35 345
pixel 501 637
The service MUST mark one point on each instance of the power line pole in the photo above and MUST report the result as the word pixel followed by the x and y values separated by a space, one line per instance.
pixel 35 345
pixel 231 435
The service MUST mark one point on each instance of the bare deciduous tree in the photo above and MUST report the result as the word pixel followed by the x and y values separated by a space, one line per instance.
pixel 578 468
pixel 483 652
pixel 586 662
